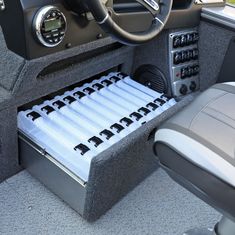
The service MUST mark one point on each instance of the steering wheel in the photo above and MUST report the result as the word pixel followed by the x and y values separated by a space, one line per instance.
pixel 160 10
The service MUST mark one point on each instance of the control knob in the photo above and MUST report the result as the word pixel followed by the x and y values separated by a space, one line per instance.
pixel 183 89
pixel 193 86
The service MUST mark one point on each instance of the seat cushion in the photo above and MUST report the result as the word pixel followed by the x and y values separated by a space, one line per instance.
pixel 204 132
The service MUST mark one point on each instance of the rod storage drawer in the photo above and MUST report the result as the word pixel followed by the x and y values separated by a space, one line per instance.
pixel 90 145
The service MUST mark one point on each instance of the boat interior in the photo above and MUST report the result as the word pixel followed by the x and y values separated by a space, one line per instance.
pixel 117 117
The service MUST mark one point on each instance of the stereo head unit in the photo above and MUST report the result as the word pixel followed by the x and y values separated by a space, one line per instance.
pixel 50 26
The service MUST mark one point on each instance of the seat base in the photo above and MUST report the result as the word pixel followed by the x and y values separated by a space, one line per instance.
pixel 224 227
pixel 206 231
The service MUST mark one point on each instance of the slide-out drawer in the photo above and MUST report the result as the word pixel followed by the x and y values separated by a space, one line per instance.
pixel 90 145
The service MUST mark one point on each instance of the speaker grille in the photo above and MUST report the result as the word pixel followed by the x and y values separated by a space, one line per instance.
pixel 152 77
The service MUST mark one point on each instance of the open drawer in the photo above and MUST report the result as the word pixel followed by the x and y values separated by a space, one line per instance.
pixel 90 145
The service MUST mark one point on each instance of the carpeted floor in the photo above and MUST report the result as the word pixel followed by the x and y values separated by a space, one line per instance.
pixel 158 206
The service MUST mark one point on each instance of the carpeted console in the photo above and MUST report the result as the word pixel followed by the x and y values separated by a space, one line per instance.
pixel 91 176
pixel 115 171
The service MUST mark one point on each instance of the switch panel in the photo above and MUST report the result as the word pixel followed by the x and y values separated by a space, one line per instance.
pixel 184 61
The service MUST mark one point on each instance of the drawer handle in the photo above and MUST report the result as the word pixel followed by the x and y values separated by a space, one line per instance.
pixel 108 134
pixel 47 109
pixel 96 141
pixel 122 75
pixel 126 121
pixel 83 148
pixel 79 94
pixel 33 115
pixel 98 86
pixel 136 115
pixel 144 111
pixel 89 90
pixel 106 82
pixel 115 79
pixel 59 104
pixel 69 99
pixel 117 127
pixel 152 106
pixel 160 101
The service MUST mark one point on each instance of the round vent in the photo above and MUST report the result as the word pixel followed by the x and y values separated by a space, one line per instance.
pixel 150 76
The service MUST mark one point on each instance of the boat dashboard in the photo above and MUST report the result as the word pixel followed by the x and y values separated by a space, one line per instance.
pixel 34 28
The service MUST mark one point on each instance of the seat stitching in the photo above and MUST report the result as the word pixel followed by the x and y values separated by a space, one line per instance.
pixel 217 119
pixel 210 102
pixel 221 113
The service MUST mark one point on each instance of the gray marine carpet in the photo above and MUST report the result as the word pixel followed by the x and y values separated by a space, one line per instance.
pixel 158 206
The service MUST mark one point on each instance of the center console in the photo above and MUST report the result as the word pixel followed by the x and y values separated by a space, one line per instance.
pixel 87 142
pixel 184 62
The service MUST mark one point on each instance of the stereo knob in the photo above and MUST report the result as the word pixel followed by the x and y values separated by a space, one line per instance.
pixel 183 89
pixel 193 86
pixel 195 69
pixel 50 26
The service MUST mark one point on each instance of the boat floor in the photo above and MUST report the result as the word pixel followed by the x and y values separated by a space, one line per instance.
pixel 158 206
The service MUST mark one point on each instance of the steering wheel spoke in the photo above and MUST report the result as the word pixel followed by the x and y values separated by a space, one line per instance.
pixel 160 9
pixel 152 6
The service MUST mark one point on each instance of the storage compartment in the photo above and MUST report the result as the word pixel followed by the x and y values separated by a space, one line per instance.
pixel 90 145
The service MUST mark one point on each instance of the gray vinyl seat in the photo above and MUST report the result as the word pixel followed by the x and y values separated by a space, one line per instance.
pixel 197 147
